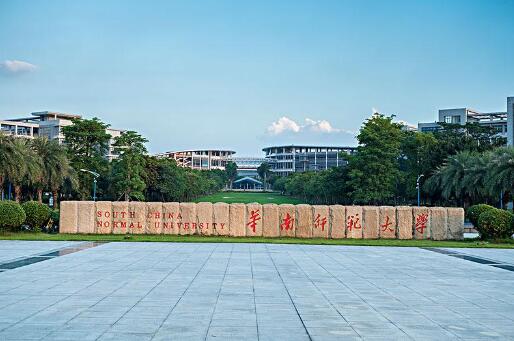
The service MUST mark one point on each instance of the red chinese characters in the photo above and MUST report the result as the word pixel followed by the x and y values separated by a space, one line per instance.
pixel 320 221
pixel 287 222
pixel 353 222
pixel 386 226
pixel 421 222
pixel 254 217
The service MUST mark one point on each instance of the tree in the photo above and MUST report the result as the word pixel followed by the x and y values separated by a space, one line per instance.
pixel 55 167
pixel 373 170
pixel 128 168
pixel 500 172
pixel 87 144
pixel 231 171
pixel 24 166
pixel 264 170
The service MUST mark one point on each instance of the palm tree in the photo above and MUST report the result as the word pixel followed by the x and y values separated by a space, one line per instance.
pixel 5 163
pixel 500 175
pixel 19 164
pixel 264 170
pixel 55 166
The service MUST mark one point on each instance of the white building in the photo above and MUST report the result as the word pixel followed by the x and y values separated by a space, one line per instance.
pixel 202 159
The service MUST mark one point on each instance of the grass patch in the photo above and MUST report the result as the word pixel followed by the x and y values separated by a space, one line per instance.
pixel 248 197
pixel 471 243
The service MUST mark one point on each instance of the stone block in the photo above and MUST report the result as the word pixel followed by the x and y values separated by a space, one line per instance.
pixel 404 221
pixel 387 221
pixel 86 217
pixel 320 222
pixel 421 222
pixel 221 219
pixel 253 220
pixel 120 217
pixel 170 218
pixel 205 216
pixel 137 217
pixel 337 222
pixel 237 220
pixel 287 220
pixel 354 222
pixel 455 223
pixel 103 217
pixel 304 221
pixel 68 217
pixel 370 226
pixel 188 222
pixel 154 217
pixel 438 223
pixel 270 220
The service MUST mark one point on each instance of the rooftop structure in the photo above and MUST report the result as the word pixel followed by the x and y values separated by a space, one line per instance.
pixel 203 159
pixel 285 160
pixel 247 166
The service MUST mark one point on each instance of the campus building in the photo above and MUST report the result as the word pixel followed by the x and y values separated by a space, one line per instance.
pixel 285 160
pixel 49 124
pixel 501 122
pixel 247 166
pixel 202 159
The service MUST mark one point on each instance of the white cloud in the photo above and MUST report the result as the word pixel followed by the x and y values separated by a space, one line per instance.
pixel 16 67
pixel 282 125
pixel 285 124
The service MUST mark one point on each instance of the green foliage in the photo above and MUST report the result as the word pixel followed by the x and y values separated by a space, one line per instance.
pixel 374 169
pixel 37 215
pixel 495 224
pixel 12 215
pixel 129 167
pixel 231 172
pixel 473 213
pixel 55 216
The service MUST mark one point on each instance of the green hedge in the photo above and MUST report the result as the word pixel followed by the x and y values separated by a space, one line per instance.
pixel 474 212
pixel 495 224
pixel 37 214
pixel 12 215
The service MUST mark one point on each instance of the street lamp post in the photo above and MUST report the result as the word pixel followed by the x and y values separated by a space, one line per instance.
pixel 418 188
pixel 95 175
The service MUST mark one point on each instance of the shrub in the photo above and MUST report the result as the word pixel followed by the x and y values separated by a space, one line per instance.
pixel 474 212
pixel 37 214
pixel 55 216
pixel 495 224
pixel 11 215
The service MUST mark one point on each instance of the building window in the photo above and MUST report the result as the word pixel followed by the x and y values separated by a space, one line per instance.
pixel 447 119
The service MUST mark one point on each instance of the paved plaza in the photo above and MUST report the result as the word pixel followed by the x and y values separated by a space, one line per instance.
pixel 194 291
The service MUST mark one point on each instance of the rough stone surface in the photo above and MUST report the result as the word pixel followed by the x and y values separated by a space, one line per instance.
pixel 170 217
pixel 86 217
pixel 438 223
pixel 337 222
pixel 187 223
pixel 254 220
pixel 387 228
pixel 421 222
pixel 404 222
pixel 320 221
pixel 455 223
pixel 103 217
pixel 221 219
pixel 237 220
pixel 154 217
pixel 137 217
pixel 287 220
pixel 68 217
pixel 354 222
pixel 305 221
pixel 270 220
pixel 205 216
pixel 370 227
pixel 120 217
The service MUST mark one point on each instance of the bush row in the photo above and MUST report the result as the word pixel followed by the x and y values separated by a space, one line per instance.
pixel 490 222
pixel 31 213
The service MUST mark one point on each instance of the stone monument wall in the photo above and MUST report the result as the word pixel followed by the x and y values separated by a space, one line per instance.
pixel 268 220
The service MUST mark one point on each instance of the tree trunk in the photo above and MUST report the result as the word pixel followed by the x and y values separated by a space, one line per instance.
pixel 40 195
pixel 56 201
pixel 17 193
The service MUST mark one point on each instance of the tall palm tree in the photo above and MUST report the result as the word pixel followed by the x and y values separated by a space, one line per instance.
pixel 19 164
pixel 500 175
pixel 55 166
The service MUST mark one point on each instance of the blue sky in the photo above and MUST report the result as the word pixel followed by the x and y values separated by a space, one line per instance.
pixel 244 75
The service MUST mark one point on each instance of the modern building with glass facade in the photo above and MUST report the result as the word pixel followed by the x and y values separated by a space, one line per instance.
pixel 247 166
pixel 202 159
pixel 285 160
pixel 502 122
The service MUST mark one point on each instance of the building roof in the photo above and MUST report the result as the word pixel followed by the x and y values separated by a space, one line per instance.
pixel 53 113
pixel 249 179
pixel 308 146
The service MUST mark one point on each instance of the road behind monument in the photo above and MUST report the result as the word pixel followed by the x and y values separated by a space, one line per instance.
pixel 187 291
